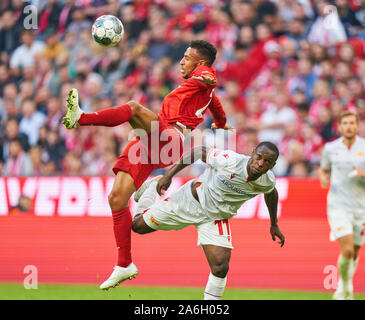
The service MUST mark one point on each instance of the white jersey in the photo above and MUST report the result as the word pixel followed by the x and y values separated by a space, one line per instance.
pixel 345 192
pixel 225 184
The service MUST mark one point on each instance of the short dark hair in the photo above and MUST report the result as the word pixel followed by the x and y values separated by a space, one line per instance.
pixel 205 49
pixel 270 146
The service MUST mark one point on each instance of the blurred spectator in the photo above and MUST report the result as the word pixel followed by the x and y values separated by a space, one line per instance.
pixel 35 154
pixel 65 16
pixel 5 77
pixel 8 110
pixel 312 143
pixel 132 26
pixel 9 32
pixel 274 119
pixel 31 122
pixel 53 47
pixel 299 169
pixel 72 165
pixel 79 22
pixel 24 206
pixel 357 94
pixel 24 55
pixel 286 69
pixel 12 133
pixel 54 114
pixel 49 16
pixel 235 96
pixel 326 124
pixel 55 148
pixel 327 29
pixel 19 163
pixel 348 17
pixel 49 169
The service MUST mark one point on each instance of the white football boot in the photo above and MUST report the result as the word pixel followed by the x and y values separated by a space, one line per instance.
pixel 344 291
pixel 119 275
pixel 74 112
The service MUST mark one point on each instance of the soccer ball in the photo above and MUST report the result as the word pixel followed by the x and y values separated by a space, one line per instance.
pixel 107 31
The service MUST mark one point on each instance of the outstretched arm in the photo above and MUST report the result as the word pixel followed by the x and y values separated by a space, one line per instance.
pixel 271 200
pixel 219 116
pixel 186 160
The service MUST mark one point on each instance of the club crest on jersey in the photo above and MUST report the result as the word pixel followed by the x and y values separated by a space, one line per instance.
pixel 232 176
pixel 153 220
pixel 257 189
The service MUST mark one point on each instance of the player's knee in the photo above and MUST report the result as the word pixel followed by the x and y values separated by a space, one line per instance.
pixel 220 269
pixel 116 202
pixel 135 107
pixel 348 252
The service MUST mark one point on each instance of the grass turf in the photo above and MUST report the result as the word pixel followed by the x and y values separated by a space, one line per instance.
pixel 89 292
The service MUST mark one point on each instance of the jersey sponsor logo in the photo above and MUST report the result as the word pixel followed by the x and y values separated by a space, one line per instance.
pixel 233 188
pixel 361 154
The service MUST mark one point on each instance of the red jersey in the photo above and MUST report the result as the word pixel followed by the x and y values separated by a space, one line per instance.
pixel 189 101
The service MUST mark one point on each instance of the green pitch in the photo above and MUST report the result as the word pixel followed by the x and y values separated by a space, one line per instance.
pixel 88 292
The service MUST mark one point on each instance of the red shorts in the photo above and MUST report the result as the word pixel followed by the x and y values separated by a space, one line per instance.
pixel 160 148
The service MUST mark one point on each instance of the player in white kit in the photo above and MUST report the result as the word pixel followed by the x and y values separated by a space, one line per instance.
pixel 343 167
pixel 209 201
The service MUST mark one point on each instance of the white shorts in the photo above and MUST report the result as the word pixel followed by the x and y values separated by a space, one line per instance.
pixel 343 223
pixel 180 210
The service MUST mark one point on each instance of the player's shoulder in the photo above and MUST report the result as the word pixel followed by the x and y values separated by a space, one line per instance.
pixel 204 70
pixel 229 155
pixel 269 178
pixel 333 143
pixel 361 140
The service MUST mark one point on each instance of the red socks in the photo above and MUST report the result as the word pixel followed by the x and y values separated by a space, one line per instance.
pixel 108 117
pixel 122 224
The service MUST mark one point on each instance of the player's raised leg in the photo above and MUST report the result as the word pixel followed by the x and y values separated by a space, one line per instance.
pixel 122 190
pixel 218 259
pixel 133 112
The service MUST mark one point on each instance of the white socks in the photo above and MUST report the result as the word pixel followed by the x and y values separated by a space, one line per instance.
pixel 346 268
pixel 147 199
pixel 353 266
pixel 215 287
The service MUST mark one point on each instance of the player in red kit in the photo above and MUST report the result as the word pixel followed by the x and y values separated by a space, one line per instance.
pixel 183 108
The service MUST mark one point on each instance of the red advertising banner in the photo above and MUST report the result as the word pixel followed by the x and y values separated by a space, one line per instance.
pixel 68 237
pixel 87 196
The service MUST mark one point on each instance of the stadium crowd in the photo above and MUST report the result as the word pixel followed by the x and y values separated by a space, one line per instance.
pixel 285 72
